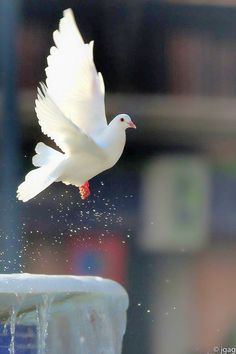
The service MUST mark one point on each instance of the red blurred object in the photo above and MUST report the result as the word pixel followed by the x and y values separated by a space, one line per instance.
pixel 97 255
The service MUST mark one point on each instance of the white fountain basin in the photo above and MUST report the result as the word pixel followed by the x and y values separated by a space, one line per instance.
pixel 73 315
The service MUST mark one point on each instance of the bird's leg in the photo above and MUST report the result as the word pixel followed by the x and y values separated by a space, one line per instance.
pixel 84 190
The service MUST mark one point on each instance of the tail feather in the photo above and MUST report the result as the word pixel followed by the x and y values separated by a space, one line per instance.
pixel 47 160
pixel 35 182
pixel 45 155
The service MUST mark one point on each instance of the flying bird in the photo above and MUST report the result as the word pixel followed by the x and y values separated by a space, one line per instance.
pixel 71 111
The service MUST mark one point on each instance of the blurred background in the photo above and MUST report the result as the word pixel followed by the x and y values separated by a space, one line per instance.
pixel 162 222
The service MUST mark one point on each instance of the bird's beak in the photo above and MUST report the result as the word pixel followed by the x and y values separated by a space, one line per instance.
pixel 132 125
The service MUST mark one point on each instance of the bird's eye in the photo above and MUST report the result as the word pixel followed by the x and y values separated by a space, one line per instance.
pixel 122 119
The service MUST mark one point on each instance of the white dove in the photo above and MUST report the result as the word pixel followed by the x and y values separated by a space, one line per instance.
pixel 71 111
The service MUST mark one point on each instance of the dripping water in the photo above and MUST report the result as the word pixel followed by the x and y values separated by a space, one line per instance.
pixel 12 329
pixel 42 315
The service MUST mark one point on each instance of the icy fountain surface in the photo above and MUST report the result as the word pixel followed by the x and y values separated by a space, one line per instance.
pixel 72 315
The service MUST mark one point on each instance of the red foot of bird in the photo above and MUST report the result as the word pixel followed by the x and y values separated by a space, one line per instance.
pixel 84 190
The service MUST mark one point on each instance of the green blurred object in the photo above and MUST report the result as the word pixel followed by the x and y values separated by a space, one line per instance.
pixel 176 203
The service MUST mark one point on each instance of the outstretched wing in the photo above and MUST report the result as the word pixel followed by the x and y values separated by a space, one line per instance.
pixel 68 136
pixel 72 79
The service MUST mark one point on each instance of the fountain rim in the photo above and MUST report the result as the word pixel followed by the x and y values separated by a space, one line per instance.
pixel 26 283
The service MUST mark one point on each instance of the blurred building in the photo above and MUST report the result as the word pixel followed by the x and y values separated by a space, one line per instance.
pixel 162 222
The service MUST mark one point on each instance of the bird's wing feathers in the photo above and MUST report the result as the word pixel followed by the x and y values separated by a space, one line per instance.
pixel 72 79
pixel 68 136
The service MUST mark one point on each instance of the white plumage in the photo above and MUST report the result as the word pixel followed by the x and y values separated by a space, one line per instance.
pixel 71 111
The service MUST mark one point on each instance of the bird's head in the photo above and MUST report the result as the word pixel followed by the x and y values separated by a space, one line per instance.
pixel 123 121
